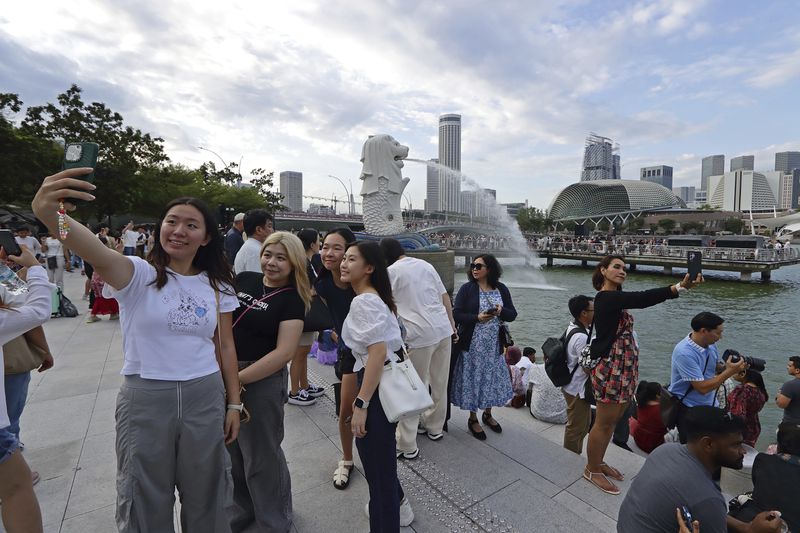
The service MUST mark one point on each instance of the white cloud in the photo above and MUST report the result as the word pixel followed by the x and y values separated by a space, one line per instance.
pixel 300 86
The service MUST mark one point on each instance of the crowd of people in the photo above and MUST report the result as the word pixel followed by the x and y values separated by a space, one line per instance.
pixel 217 330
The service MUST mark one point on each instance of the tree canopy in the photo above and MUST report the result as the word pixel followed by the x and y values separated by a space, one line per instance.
pixel 532 219
pixel 133 172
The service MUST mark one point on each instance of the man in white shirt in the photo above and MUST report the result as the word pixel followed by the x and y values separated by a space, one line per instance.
pixel 424 306
pixel 526 362
pixel 579 408
pixel 129 239
pixel 258 225
pixel 24 237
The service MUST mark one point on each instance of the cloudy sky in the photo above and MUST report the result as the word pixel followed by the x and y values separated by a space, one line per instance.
pixel 300 85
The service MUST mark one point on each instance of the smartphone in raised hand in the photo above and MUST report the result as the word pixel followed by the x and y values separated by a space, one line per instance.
pixel 9 243
pixel 80 155
pixel 694 263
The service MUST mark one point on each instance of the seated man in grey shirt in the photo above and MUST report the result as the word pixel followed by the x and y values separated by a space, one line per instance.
pixel 677 475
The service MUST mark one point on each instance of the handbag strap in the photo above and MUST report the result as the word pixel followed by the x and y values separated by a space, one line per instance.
pixel 260 300
pixel 219 330
pixel 690 389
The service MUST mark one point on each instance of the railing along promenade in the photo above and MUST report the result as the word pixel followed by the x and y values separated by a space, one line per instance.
pixel 746 261
pixel 742 260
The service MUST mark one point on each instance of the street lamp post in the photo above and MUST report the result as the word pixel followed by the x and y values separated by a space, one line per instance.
pixel 224 164
pixel 348 194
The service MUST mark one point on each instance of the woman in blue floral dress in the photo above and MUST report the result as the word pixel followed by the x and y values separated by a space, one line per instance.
pixel 480 377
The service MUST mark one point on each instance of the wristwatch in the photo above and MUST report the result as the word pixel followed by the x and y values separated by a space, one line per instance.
pixel 236 407
pixel 361 404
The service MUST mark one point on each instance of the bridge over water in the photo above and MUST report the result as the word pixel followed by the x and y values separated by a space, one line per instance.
pixel 746 261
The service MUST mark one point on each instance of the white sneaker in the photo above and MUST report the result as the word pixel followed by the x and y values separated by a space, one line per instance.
pixel 406 513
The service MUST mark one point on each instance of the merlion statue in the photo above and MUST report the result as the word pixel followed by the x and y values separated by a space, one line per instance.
pixel 382 190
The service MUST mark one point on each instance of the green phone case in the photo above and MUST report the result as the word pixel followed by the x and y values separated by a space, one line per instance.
pixel 77 155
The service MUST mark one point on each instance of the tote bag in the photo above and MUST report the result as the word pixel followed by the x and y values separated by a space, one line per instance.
pixel 401 390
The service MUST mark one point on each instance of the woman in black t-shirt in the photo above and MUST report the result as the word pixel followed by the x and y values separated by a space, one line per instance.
pixel 615 347
pixel 338 295
pixel 266 329
pixel 301 392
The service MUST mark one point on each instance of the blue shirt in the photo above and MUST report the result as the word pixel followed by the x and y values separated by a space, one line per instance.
pixel 692 362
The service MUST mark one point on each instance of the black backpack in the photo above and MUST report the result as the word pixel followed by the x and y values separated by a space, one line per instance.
pixel 555 357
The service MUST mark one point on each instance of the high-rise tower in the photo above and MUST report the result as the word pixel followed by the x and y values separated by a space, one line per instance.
pixel 291 187
pixel 743 162
pixel 713 165
pixel 787 161
pixel 450 156
pixel 432 188
pixel 600 159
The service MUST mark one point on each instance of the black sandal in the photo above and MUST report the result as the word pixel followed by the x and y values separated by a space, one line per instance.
pixel 480 435
pixel 488 419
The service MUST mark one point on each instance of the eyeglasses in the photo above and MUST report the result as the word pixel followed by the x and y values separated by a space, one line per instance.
pixel 476 266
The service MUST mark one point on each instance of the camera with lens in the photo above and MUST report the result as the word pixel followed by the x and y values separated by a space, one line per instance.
pixel 753 362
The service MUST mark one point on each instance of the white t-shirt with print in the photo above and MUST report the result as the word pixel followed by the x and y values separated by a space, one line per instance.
pixel 369 322
pixel 167 334
pixel 417 290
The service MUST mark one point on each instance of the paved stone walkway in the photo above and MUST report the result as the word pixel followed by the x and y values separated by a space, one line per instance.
pixel 521 480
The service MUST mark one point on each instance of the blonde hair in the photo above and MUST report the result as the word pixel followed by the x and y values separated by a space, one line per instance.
pixel 296 254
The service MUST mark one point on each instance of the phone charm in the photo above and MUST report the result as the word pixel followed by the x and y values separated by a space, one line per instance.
pixel 63 225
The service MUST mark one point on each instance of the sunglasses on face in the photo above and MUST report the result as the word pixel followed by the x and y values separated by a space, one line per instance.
pixel 476 266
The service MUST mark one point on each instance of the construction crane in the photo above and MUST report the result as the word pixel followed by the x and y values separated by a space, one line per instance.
pixel 335 201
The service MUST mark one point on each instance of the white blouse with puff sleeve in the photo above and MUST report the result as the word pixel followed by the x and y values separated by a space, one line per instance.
pixel 369 322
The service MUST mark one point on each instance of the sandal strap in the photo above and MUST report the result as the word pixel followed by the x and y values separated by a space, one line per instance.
pixel 342 472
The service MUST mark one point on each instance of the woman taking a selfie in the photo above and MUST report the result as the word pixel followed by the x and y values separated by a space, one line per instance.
pixel 337 295
pixel 614 346
pixel 175 312
pixel 267 328
pixel 371 330
pixel 20 508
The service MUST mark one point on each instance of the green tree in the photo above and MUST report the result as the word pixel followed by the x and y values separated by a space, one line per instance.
pixel 257 195
pixel 24 158
pixel 666 224
pixel 532 219
pixel 693 226
pixel 133 174
pixel 124 151
pixel 733 224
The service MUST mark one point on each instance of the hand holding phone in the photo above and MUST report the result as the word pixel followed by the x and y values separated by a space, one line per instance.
pixel 694 263
pixel 9 243
pixel 81 155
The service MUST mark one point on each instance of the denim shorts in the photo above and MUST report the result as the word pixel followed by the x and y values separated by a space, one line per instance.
pixel 8 444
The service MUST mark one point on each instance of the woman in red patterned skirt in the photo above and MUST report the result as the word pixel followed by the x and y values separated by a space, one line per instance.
pixel 614 345
pixel 101 305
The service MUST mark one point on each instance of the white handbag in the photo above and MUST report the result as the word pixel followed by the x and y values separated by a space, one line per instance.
pixel 401 390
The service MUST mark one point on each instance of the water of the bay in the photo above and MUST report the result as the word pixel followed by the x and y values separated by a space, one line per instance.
pixel 760 319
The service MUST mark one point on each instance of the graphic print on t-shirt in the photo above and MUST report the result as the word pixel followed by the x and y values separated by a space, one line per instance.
pixel 189 312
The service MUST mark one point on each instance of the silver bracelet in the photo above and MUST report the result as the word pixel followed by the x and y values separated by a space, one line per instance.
pixel 236 407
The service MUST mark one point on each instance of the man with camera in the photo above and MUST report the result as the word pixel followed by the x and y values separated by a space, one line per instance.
pixel 788 398
pixel 693 375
